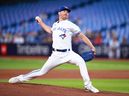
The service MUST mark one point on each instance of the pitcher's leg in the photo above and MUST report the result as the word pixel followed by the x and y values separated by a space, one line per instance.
pixel 50 63
pixel 76 59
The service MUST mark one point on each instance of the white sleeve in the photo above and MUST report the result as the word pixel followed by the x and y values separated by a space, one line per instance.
pixel 53 26
pixel 74 28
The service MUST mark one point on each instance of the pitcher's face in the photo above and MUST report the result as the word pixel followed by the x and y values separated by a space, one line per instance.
pixel 63 15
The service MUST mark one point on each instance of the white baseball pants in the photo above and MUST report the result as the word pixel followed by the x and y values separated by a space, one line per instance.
pixel 56 59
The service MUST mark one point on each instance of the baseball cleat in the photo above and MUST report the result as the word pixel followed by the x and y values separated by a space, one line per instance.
pixel 91 88
pixel 17 79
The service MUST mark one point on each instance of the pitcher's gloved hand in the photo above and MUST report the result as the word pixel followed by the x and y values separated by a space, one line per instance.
pixel 88 55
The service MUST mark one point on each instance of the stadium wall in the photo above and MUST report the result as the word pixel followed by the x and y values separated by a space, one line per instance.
pixel 46 49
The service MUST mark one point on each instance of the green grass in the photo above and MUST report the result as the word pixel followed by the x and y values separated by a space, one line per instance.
pixel 37 63
pixel 114 85
pixel 7 63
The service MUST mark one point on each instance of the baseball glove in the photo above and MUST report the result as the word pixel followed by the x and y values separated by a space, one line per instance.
pixel 88 56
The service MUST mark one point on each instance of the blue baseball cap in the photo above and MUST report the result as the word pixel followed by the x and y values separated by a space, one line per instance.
pixel 64 8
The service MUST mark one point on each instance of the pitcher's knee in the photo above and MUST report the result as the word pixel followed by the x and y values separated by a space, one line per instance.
pixel 81 62
pixel 40 73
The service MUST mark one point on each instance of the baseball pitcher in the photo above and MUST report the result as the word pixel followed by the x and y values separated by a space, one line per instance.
pixel 62 32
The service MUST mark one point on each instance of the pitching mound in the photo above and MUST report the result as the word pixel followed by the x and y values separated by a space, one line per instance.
pixel 26 89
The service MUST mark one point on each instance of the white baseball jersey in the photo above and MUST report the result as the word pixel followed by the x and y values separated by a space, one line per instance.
pixel 62 33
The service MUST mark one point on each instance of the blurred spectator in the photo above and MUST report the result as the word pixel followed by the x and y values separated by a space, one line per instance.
pixel 98 38
pixel 90 35
pixel 124 41
pixel 78 21
pixel 1 37
pixel 8 37
pixel 76 40
pixel 114 47
pixel 18 39
pixel 48 38
pixel 31 37
pixel 44 15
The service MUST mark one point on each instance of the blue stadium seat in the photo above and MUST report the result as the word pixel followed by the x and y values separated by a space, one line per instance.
pixel 100 16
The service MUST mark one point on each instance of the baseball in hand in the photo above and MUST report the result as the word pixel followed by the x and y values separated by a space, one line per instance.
pixel 37 18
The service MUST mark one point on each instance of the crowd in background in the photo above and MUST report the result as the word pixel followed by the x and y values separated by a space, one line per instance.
pixel 96 37
pixel 43 37
pixel 88 22
pixel 29 37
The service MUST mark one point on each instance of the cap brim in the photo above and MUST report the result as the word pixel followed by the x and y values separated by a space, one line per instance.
pixel 68 10
pixel 62 9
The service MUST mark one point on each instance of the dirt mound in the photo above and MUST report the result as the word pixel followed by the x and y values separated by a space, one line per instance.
pixel 26 89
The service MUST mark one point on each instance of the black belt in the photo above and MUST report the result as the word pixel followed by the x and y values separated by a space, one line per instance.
pixel 60 50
